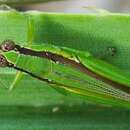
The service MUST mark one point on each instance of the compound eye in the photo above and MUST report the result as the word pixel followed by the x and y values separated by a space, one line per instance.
pixel 3 61
pixel 7 45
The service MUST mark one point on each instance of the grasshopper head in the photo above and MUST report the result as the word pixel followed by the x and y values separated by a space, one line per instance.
pixel 7 45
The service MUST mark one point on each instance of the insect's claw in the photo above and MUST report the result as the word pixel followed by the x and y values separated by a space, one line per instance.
pixel 112 50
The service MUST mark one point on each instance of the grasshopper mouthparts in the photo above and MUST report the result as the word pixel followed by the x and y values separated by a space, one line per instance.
pixel 3 61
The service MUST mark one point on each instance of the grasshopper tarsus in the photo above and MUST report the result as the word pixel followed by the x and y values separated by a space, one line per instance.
pixel 112 51
pixel 109 52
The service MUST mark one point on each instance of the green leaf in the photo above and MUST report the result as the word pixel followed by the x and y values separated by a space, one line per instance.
pixel 94 33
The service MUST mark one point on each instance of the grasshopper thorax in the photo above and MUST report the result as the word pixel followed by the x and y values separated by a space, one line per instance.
pixel 7 45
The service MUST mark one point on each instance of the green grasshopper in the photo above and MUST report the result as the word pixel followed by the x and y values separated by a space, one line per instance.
pixel 70 71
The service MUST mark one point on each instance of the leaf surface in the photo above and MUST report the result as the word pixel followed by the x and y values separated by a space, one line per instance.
pixel 94 33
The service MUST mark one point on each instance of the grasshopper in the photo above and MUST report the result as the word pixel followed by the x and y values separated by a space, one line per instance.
pixel 72 71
